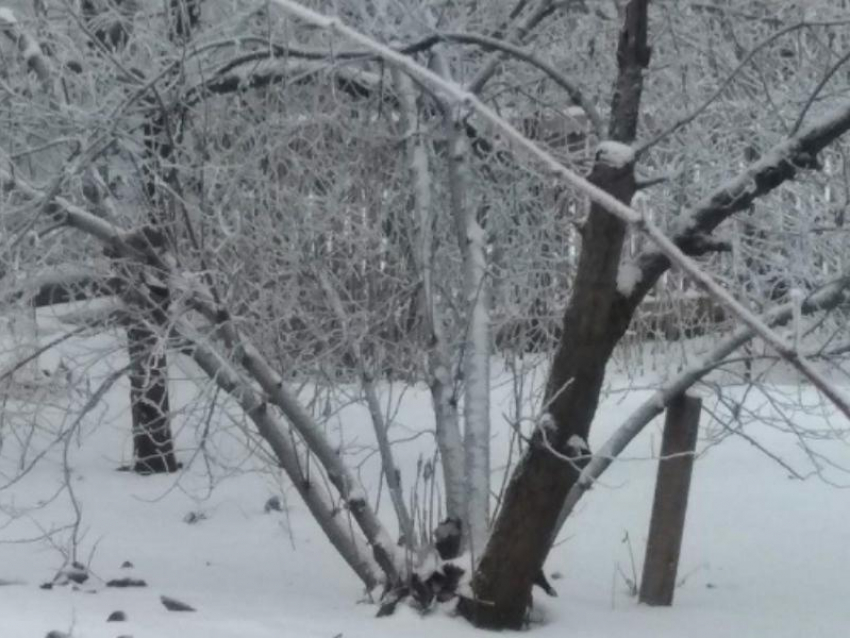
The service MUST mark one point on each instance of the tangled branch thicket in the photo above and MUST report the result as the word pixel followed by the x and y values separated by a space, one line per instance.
pixel 313 211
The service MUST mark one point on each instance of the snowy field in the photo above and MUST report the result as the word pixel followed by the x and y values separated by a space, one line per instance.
pixel 764 555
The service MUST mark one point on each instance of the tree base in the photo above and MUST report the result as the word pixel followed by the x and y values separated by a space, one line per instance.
pixel 489 616
pixel 156 465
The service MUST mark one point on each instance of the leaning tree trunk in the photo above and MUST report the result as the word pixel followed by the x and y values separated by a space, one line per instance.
pixel 594 321
pixel 446 414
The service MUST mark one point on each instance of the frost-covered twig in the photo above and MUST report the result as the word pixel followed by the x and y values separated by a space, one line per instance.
pixel 134 246
pixel 822 132
pixel 690 117
pixel 33 356
pixel 577 93
pixel 517 34
pixel 476 349
pixel 825 299
pixel 817 90
pixel 28 46
pixel 392 474
pixel 270 427
pixel 93 401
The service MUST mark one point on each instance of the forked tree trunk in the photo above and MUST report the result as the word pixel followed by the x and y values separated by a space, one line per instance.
pixel 476 345
pixel 444 401
pixel 595 320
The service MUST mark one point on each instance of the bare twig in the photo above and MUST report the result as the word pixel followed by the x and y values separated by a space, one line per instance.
pixel 829 129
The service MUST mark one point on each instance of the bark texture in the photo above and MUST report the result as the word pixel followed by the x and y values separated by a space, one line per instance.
pixel 667 526
pixel 594 322
pixel 153 447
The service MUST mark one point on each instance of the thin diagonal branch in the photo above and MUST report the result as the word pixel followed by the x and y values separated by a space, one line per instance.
pixel 818 135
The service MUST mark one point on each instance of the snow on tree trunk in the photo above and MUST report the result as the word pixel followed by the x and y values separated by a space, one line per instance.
pixel 823 300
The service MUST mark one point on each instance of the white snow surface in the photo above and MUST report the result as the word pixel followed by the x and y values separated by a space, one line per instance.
pixel 763 556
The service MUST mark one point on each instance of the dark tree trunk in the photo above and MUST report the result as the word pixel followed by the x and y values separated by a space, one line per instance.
pixel 595 319
pixel 153 447
pixel 147 341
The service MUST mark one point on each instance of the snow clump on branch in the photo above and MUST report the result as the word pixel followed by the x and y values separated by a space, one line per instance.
pixel 615 154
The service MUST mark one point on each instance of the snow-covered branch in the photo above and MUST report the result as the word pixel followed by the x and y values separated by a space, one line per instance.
pixel 778 166
pixel 517 33
pixel 274 431
pixel 825 299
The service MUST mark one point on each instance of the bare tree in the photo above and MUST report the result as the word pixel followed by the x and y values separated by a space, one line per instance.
pixel 319 205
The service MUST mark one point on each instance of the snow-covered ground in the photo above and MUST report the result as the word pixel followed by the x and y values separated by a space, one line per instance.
pixel 763 555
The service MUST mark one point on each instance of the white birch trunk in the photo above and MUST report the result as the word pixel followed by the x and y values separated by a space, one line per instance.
pixel 199 299
pixel 383 547
pixel 391 472
pixel 24 332
pixel 476 348
pixel 274 431
pixel 476 356
pixel 449 441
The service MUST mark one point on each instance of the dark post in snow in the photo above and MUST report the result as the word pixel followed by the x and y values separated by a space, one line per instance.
pixel 671 501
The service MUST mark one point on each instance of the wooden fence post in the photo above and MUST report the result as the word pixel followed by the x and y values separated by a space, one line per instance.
pixel 671 501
